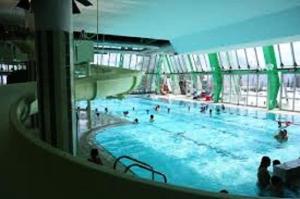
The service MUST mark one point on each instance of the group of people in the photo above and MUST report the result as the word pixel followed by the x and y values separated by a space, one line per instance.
pixel 205 107
pixel 272 184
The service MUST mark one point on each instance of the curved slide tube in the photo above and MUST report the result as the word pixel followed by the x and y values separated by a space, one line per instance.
pixel 105 82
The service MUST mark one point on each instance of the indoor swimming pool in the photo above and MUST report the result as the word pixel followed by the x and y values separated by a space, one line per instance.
pixel 195 149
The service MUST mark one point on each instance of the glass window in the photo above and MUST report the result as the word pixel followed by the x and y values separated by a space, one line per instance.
pixel 233 59
pixel 133 60
pixel 193 66
pixel 179 68
pixel 242 60
pixel 112 59
pixel 186 63
pixel 287 91
pixel 224 60
pixel 286 54
pixel 277 56
pixel 297 52
pixel 164 67
pixel 153 63
pixel 208 67
pixel 104 60
pixel 197 62
pixel 252 60
pixel 139 62
pixel 203 63
pixel 252 86
pixel 226 88
pixel 174 64
pixel 169 64
pixel 262 90
pixel 261 58
pixel 146 63
pixel 126 60
pixel 244 90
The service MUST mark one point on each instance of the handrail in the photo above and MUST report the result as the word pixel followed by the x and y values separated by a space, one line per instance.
pixel 149 169
pixel 130 158
pixel 134 160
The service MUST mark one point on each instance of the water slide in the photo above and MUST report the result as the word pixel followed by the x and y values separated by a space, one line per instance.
pixel 106 82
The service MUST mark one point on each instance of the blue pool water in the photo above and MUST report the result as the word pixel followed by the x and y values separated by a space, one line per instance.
pixel 195 150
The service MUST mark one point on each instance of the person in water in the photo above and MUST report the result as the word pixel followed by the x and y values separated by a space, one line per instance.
pixel 263 175
pixel 210 112
pixel 281 136
pixel 286 123
pixel 97 113
pixel 94 157
pixel 151 118
pixel 274 163
pixel 276 187
pixel 125 113
pixel 106 110
pixel 147 111
pixel 218 110
pixel 223 107
pixel 136 121
pixel 157 108
pixel 169 110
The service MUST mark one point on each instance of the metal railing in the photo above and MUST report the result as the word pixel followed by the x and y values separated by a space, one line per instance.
pixel 147 168
pixel 139 164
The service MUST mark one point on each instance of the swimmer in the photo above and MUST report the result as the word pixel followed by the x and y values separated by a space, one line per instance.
pixel 169 110
pixel 274 163
pixel 125 113
pixel 218 110
pixel 202 110
pixel 287 124
pixel 97 113
pixel 106 110
pixel 281 136
pixel 136 121
pixel 133 108
pixel 151 118
pixel 147 111
pixel 157 108
pixel 263 175
pixel 189 108
pixel 223 107
pixel 210 112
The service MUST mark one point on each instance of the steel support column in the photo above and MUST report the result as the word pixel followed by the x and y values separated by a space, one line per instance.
pixel 273 77
pixel 217 76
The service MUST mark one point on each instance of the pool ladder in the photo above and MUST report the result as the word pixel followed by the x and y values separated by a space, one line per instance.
pixel 140 164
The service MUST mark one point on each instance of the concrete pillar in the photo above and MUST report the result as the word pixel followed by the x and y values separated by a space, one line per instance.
pixel 53 24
